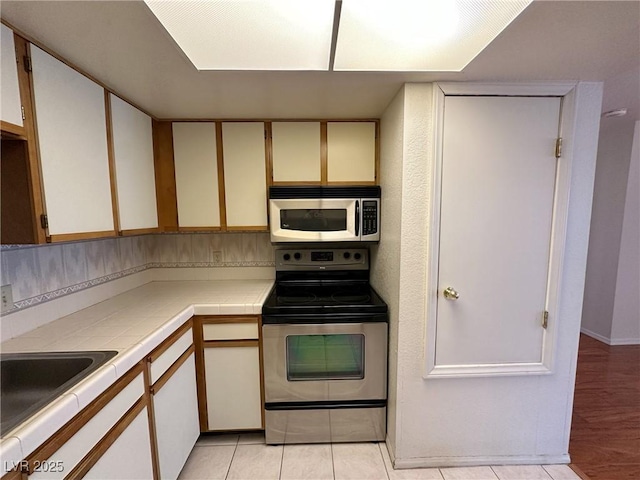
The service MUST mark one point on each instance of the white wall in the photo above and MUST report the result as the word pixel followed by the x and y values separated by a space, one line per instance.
pixel 442 422
pixel 612 168
pixel 625 328
pixel 385 265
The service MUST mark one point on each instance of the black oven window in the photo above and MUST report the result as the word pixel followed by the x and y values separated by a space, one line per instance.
pixel 325 357
pixel 314 219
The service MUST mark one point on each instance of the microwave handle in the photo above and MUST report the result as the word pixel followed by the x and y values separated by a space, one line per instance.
pixel 357 218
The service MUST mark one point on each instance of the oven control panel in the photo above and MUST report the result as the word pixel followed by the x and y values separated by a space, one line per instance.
pixel 322 259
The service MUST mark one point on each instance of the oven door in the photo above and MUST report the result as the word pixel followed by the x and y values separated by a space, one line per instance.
pixel 325 361
pixel 314 220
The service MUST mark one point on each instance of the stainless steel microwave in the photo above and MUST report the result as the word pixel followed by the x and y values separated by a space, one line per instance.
pixel 324 214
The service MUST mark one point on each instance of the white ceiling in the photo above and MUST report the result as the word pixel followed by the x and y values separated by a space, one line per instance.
pixel 122 44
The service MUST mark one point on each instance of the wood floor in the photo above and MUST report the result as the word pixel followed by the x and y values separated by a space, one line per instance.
pixel 605 434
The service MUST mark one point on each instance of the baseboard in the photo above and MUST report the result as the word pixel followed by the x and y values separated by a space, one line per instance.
pixel 595 335
pixel 625 341
pixel 438 462
pixel 610 341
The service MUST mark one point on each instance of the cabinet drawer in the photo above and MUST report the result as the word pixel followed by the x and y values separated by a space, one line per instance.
pixel 75 449
pixel 230 331
pixel 170 355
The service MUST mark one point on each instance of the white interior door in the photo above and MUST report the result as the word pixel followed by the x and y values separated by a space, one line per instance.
pixel 496 215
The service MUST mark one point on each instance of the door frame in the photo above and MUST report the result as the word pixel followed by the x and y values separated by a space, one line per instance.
pixel 567 93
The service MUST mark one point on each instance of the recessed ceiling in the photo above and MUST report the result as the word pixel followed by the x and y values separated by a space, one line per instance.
pixel 123 44
pixel 250 35
pixel 364 35
pixel 418 35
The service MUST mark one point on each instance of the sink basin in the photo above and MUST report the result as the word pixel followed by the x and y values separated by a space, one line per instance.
pixel 29 381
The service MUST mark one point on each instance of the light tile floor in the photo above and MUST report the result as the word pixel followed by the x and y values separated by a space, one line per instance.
pixel 246 457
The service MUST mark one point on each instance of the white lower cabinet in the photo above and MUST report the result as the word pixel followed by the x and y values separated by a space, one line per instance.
pixel 92 443
pixel 232 377
pixel 129 457
pixel 175 408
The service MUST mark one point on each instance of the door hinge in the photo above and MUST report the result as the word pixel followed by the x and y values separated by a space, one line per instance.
pixel 27 63
pixel 545 319
pixel 44 221
pixel 23 115
pixel 558 147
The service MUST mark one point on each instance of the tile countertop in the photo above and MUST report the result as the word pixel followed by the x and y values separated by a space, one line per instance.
pixel 133 323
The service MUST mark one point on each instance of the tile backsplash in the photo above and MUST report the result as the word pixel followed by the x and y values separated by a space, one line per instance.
pixel 44 272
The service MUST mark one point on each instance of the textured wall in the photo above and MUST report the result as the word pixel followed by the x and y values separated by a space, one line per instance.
pixel 385 257
pixel 518 419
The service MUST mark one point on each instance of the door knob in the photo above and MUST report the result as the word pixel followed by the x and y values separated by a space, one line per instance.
pixel 451 294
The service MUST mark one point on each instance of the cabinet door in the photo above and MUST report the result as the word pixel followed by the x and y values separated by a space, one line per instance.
pixel 232 376
pixel 195 156
pixel 296 151
pixel 245 178
pixel 351 152
pixel 175 408
pixel 129 457
pixel 11 107
pixel 135 174
pixel 72 132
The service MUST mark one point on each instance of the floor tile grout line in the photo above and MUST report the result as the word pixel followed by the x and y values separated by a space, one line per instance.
pixel 235 448
pixel 494 472
pixel 386 470
pixel 281 463
pixel 333 466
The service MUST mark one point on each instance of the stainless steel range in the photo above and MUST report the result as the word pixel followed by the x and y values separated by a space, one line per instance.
pixel 325 349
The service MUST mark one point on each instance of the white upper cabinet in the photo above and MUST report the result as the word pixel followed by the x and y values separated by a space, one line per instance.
pixel 296 151
pixel 135 174
pixel 11 106
pixel 194 151
pixel 72 133
pixel 245 178
pixel 351 152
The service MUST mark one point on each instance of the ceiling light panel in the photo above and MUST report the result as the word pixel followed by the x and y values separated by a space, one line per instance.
pixel 419 35
pixel 250 34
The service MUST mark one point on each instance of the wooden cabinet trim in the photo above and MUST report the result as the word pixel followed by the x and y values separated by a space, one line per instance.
pixel 170 340
pixel 201 380
pixel 376 171
pixel 14 474
pixel 268 137
pixel 12 128
pixel 206 319
pixel 36 190
pixel 261 360
pixel 230 343
pixel 199 229
pixel 111 156
pixel 139 231
pixel 97 451
pixel 324 162
pixel 165 172
pixel 253 228
pixel 64 434
pixel 222 199
pixel 68 237
pixel 155 388
pixel 151 419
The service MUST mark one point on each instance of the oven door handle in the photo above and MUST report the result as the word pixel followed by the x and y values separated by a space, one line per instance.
pixel 357 218
pixel 327 319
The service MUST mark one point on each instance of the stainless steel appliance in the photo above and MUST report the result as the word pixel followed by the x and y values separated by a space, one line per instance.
pixel 324 214
pixel 325 341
